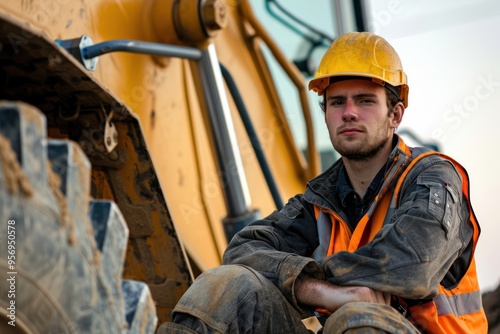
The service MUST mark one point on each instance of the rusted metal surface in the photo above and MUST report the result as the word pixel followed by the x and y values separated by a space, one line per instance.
pixel 35 70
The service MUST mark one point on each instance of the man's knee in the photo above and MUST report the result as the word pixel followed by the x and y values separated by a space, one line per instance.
pixel 219 296
pixel 171 328
pixel 227 277
pixel 227 284
pixel 377 318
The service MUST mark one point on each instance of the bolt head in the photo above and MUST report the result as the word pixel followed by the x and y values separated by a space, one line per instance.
pixel 214 14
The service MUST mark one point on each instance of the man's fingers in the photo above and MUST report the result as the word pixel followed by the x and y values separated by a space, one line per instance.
pixel 387 299
pixel 381 298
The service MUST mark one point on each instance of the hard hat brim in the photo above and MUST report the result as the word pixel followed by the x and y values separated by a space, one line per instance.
pixel 319 84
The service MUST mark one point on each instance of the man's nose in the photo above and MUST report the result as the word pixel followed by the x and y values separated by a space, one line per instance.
pixel 350 112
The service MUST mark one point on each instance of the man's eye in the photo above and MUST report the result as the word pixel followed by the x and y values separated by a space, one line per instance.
pixel 366 101
pixel 336 103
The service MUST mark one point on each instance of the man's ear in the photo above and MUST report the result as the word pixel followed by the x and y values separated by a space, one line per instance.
pixel 397 115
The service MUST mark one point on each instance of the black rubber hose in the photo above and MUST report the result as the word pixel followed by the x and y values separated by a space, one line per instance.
pixel 247 122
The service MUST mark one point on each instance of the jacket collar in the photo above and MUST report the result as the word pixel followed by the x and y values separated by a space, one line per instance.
pixel 323 189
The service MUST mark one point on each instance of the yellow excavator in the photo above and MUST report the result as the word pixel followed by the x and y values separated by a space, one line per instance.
pixel 136 137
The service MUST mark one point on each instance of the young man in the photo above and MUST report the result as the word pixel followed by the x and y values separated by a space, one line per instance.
pixel 381 242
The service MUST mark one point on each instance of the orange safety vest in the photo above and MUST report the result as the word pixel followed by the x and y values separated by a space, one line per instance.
pixel 458 310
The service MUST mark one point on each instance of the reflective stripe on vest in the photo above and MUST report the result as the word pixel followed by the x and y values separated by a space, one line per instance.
pixel 458 305
pixel 458 310
pixel 324 233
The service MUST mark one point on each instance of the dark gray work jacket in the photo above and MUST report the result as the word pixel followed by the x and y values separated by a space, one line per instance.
pixel 416 249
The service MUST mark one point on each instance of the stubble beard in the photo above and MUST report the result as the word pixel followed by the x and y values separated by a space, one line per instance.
pixel 362 152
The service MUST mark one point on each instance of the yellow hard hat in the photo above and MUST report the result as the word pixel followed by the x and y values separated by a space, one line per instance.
pixel 362 54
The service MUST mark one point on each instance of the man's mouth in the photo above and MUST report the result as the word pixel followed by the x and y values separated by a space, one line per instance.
pixel 350 131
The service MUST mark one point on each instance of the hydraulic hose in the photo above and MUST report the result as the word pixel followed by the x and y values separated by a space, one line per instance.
pixel 247 122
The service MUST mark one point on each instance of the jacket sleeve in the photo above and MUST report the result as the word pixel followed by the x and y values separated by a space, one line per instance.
pixel 426 242
pixel 277 247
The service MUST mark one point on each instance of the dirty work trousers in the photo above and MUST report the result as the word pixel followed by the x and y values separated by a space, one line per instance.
pixel 236 299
